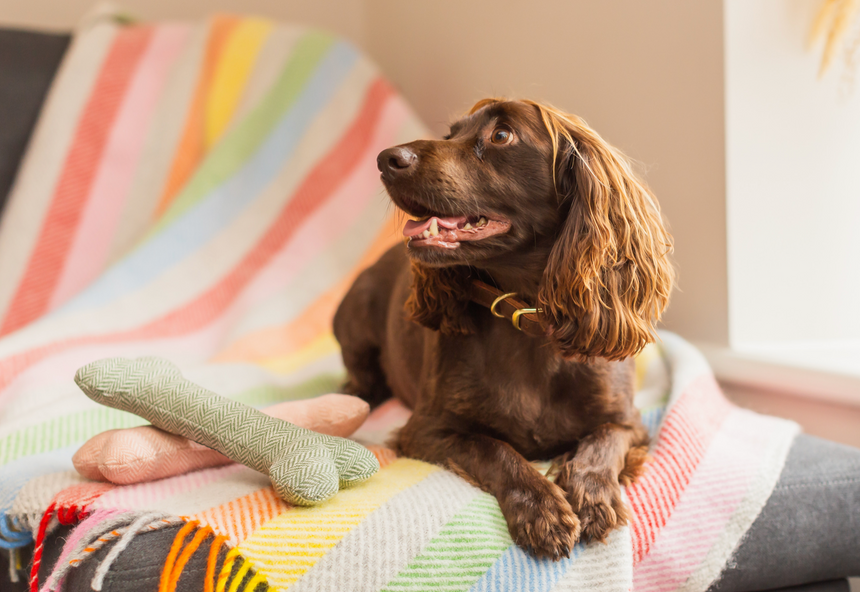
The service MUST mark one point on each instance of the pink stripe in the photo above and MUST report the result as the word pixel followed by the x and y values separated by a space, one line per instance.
pixel 690 426
pixel 48 255
pixel 90 523
pixel 145 496
pixel 707 505
pixel 94 234
pixel 81 495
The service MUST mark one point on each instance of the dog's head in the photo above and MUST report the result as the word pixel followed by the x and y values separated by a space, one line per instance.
pixel 523 184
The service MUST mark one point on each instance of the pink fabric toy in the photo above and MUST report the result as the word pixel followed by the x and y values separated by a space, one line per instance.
pixel 146 453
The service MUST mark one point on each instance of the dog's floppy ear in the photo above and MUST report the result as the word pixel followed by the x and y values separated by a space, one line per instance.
pixel 438 298
pixel 609 276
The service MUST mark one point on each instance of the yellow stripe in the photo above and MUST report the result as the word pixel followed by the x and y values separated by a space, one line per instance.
pixel 321 346
pixel 287 546
pixel 643 361
pixel 229 559
pixel 231 74
pixel 240 575
pixel 258 577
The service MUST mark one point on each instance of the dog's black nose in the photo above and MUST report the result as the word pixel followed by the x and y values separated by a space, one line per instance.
pixel 397 160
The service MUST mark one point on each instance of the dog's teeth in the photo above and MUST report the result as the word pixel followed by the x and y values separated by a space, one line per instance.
pixel 434 227
pixel 467 226
pixel 426 234
pixel 482 222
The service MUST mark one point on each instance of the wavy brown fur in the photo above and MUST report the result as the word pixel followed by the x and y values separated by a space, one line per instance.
pixel 438 298
pixel 609 277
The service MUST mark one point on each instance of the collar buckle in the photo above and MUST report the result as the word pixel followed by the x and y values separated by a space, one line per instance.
pixel 515 317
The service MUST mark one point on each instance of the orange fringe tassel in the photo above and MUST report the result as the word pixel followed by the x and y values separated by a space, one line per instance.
pixel 174 552
pixel 212 563
pixel 186 554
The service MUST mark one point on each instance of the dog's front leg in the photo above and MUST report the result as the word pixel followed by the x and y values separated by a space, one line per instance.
pixel 608 457
pixel 538 515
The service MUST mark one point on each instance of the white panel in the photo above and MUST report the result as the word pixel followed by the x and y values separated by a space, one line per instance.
pixel 793 182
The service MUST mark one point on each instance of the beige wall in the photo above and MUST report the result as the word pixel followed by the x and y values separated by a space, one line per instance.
pixel 647 75
pixel 345 17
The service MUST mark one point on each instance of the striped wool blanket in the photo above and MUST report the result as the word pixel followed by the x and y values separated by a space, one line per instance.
pixel 206 193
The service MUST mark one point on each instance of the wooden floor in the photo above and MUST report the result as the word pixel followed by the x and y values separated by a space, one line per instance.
pixel 840 423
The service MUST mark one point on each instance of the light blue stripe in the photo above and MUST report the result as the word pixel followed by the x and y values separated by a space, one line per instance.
pixel 516 569
pixel 652 419
pixel 202 222
pixel 15 475
pixel 10 538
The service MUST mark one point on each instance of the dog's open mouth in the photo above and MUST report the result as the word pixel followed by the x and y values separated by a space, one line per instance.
pixel 449 231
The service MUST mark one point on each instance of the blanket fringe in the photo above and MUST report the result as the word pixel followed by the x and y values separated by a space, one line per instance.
pixel 212 563
pixel 186 554
pixel 13 535
pixel 226 569
pixel 254 582
pixel 174 552
pixel 240 575
pixel 64 516
pixel 121 530
pixel 176 561
pixel 178 557
pixel 14 565
pixel 126 538
pixel 108 531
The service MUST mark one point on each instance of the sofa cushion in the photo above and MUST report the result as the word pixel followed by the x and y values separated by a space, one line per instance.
pixel 28 62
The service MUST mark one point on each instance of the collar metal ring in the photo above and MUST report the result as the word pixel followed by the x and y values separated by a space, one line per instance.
pixel 497 301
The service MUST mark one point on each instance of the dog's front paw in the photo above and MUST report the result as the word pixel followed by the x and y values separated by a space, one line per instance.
pixel 541 520
pixel 595 496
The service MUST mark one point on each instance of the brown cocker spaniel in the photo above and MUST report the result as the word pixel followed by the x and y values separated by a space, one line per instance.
pixel 518 198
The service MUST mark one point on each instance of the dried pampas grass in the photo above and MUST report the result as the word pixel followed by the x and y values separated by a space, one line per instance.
pixel 831 23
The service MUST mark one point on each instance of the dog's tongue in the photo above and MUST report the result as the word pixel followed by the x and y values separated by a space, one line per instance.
pixel 415 227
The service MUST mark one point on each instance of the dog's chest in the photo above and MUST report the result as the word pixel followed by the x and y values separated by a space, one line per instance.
pixel 536 420
pixel 531 401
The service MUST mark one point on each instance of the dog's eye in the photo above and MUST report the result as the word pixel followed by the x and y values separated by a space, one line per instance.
pixel 501 135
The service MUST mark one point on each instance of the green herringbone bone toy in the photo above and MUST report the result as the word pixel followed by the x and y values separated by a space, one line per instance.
pixel 305 467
